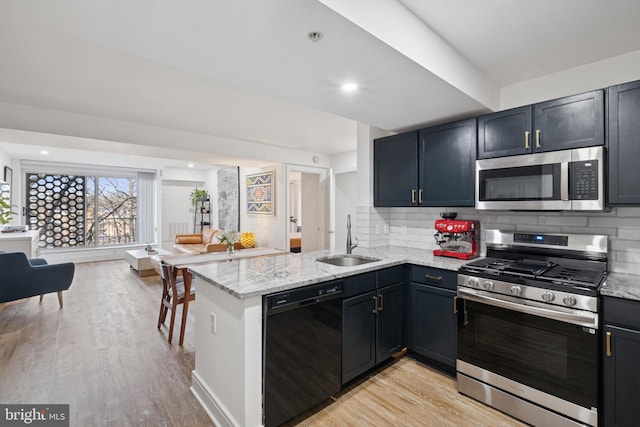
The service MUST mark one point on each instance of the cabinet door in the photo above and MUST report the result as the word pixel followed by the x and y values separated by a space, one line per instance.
pixel 624 144
pixel 621 377
pixel 447 164
pixel 571 122
pixel 389 322
pixel 505 133
pixel 395 171
pixel 358 335
pixel 433 323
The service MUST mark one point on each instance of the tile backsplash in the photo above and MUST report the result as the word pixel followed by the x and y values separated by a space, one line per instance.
pixel 413 227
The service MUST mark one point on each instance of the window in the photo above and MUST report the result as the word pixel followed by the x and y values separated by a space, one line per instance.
pixel 90 210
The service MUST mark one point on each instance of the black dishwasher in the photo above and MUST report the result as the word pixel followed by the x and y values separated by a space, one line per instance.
pixel 302 334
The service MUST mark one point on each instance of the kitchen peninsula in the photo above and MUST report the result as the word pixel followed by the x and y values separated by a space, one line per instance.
pixel 227 379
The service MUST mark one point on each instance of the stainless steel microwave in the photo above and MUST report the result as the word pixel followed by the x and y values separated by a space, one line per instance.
pixel 571 180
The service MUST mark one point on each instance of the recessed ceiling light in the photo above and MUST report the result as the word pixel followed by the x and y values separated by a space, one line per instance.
pixel 44 152
pixel 349 87
pixel 190 165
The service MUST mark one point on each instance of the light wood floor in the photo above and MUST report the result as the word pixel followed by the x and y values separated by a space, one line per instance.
pixel 103 355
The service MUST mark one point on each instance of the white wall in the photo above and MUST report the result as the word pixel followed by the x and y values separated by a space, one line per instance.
pixel 365 135
pixel 345 162
pixel 596 75
pixel 211 185
pixel 345 203
pixel 5 160
pixel 270 230
pixel 177 210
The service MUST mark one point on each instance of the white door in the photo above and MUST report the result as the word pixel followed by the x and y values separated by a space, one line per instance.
pixel 313 200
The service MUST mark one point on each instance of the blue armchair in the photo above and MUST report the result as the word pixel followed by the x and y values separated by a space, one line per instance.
pixel 23 278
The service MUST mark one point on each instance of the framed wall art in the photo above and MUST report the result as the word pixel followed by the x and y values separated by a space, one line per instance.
pixel 260 194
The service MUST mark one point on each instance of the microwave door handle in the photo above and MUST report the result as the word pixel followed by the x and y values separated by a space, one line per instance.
pixel 564 181
pixel 590 320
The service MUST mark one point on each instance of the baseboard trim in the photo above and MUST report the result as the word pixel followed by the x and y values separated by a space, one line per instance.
pixel 207 399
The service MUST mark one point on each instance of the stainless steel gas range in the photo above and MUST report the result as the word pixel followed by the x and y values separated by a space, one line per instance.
pixel 528 332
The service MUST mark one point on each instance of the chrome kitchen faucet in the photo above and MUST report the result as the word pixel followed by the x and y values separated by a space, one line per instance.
pixel 350 247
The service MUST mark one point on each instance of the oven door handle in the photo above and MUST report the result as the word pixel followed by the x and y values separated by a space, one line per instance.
pixel 589 320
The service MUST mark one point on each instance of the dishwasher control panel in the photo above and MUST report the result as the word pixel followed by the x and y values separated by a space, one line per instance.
pixel 306 294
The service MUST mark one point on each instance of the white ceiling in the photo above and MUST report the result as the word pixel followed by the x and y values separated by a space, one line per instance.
pixel 244 70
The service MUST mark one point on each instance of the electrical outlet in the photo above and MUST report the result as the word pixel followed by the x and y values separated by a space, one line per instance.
pixel 213 323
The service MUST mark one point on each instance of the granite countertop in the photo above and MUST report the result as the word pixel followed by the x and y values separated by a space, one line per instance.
pixel 250 277
pixel 619 285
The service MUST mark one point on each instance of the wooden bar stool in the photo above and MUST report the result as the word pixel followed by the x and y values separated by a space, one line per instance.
pixel 173 294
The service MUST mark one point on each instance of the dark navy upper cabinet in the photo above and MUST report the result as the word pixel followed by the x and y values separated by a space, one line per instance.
pixel 505 133
pixel 447 164
pixel 433 167
pixel 621 376
pixel 624 144
pixel 570 122
pixel 395 160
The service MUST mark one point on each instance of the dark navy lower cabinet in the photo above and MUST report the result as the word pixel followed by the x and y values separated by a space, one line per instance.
pixel 358 335
pixel 621 376
pixel 372 316
pixel 389 321
pixel 433 329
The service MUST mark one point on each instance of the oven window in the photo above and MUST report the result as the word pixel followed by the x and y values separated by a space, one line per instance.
pixel 525 344
pixel 539 182
pixel 555 357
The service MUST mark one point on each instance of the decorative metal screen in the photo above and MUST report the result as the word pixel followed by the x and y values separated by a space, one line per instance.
pixel 56 206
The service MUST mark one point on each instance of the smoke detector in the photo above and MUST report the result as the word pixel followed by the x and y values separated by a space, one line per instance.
pixel 315 36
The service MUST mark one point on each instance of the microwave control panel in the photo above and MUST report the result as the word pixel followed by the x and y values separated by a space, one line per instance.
pixel 584 180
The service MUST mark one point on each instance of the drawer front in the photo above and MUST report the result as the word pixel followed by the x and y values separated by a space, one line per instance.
pixel 622 311
pixel 356 285
pixel 390 276
pixel 434 277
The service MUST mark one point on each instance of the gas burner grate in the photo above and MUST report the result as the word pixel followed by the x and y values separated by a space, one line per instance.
pixel 575 276
pixel 496 264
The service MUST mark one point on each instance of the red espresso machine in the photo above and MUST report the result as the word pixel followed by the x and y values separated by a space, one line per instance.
pixel 457 238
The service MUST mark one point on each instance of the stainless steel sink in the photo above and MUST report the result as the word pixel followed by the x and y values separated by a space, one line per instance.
pixel 346 260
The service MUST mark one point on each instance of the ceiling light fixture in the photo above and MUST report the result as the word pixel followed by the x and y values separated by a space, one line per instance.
pixel 190 165
pixel 349 87
pixel 315 36
pixel 45 152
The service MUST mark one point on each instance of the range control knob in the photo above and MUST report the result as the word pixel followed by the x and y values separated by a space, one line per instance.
pixel 473 283
pixel 449 227
pixel 488 285
pixel 569 300
pixel 516 291
pixel 548 296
